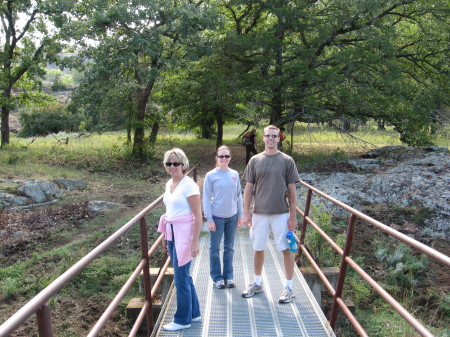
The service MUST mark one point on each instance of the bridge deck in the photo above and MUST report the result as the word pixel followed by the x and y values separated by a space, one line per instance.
pixel 226 313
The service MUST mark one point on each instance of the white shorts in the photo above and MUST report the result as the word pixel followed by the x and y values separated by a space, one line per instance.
pixel 260 230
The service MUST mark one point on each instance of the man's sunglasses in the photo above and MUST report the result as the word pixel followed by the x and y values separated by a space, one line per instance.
pixel 225 156
pixel 174 164
pixel 273 136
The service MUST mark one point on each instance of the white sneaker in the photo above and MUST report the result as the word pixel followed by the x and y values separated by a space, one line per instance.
pixel 196 319
pixel 286 296
pixel 175 326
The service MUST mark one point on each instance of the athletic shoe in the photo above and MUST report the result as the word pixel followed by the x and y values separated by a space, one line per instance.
pixel 196 319
pixel 286 296
pixel 230 284
pixel 219 284
pixel 252 289
pixel 175 326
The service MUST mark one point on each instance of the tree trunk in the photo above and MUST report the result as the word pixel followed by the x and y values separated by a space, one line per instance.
pixel 5 126
pixel 346 125
pixel 154 133
pixel 5 117
pixel 219 120
pixel 129 130
pixel 139 132
pixel 207 125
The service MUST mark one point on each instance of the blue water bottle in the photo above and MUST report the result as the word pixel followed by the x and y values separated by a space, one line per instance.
pixel 290 238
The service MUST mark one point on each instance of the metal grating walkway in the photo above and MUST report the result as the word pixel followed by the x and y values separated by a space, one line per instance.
pixel 226 313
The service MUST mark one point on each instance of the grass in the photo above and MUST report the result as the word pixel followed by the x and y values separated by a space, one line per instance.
pixel 105 162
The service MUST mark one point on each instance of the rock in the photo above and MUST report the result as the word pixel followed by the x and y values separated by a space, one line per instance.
pixel 422 179
pixel 98 205
pixel 37 192
pixel 70 185
pixel 17 235
pixel 7 199
pixel 40 191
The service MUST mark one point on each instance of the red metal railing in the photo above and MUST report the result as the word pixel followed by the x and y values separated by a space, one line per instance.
pixel 338 302
pixel 39 304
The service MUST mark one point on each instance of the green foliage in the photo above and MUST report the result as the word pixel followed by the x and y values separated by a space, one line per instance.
pixel 320 249
pixel 58 84
pixel 48 119
pixel 402 269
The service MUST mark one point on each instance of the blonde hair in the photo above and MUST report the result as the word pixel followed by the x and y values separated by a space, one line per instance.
pixel 272 127
pixel 179 153
pixel 223 147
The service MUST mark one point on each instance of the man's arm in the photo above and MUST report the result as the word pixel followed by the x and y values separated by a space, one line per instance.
pixel 292 199
pixel 248 194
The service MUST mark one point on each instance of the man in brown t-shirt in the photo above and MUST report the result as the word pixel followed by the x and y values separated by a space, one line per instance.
pixel 270 177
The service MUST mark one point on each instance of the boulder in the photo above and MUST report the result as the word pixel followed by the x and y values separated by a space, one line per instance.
pixel 7 200
pixel 40 191
pixel 420 180
pixel 70 185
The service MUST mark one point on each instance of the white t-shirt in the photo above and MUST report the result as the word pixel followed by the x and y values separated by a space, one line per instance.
pixel 176 202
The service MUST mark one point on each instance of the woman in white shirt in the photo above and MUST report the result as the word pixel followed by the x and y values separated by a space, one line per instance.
pixel 181 226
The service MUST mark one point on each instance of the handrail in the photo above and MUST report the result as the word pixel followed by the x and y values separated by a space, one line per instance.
pixel 347 260
pixel 39 303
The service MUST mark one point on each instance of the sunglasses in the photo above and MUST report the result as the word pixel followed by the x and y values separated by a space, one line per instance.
pixel 225 156
pixel 174 164
pixel 271 136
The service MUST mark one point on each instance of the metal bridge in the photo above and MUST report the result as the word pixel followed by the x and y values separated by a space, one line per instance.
pixel 225 313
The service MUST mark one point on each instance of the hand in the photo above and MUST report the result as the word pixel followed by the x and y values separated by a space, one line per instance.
pixel 212 226
pixel 240 223
pixel 292 222
pixel 246 221
pixel 195 249
pixel 164 244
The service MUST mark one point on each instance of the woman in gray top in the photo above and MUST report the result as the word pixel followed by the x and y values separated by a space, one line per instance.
pixel 222 205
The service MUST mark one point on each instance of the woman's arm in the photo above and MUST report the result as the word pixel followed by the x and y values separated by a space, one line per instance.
pixel 195 204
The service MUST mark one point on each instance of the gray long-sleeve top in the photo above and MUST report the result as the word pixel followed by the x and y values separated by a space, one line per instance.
pixel 222 194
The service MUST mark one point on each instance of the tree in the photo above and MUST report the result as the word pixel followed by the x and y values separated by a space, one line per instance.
pixel 349 60
pixel 28 42
pixel 136 42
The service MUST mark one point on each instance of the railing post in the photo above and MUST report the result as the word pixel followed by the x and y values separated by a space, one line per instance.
pixel 342 270
pixel 146 274
pixel 304 225
pixel 44 321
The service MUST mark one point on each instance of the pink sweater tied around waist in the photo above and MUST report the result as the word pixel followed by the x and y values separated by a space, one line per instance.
pixel 183 230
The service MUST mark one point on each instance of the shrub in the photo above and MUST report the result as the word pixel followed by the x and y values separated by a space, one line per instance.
pixel 402 268
pixel 58 84
pixel 51 118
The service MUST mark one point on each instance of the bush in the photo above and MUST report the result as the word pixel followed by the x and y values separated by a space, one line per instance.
pixel 58 84
pixel 51 118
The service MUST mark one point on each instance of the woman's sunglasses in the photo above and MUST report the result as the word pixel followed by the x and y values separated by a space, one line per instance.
pixel 225 156
pixel 174 164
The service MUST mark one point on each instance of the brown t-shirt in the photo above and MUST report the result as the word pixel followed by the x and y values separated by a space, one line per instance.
pixel 270 175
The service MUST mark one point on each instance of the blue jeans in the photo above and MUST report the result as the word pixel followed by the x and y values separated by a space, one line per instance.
pixel 187 300
pixel 224 227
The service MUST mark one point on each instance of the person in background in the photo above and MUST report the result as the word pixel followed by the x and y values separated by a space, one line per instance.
pixel 249 141
pixel 270 177
pixel 282 138
pixel 222 206
pixel 181 225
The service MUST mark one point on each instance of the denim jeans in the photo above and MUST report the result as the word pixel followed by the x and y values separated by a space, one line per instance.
pixel 187 300
pixel 224 227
